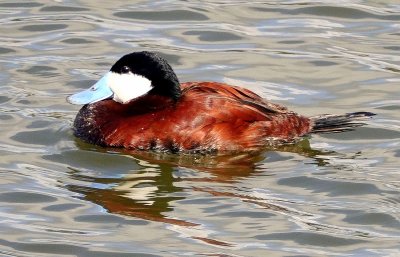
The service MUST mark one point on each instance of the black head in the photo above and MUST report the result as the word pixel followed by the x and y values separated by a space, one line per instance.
pixel 153 67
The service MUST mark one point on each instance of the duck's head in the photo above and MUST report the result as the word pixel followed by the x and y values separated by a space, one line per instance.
pixel 133 76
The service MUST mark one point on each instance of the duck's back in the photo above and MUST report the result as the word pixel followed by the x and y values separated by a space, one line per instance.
pixel 209 116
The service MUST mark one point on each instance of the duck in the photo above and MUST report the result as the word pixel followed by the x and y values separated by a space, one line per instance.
pixel 139 104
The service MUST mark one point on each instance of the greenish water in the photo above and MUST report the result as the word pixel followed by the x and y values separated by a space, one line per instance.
pixel 335 194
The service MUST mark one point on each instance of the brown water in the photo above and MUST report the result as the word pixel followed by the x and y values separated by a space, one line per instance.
pixel 328 195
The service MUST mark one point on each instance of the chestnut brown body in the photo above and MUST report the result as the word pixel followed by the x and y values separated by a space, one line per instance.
pixel 208 117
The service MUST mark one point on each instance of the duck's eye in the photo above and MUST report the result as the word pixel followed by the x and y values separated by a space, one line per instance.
pixel 125 69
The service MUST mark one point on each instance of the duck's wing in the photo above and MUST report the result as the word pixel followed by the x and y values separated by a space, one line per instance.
pixel 231 118
pixel 243 95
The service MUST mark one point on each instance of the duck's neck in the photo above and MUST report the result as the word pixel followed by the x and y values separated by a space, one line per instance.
pixel 148 103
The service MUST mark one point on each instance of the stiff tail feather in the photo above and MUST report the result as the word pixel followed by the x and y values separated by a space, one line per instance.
pixel 329 123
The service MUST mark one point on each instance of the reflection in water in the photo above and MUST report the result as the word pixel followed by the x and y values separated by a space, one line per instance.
pixel 141 195
pixel 227 167
pixel 149 193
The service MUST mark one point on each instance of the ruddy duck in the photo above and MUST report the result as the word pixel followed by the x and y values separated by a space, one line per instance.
pixel 140 104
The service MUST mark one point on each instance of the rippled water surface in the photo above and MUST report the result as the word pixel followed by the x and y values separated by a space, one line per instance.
pixel 334 194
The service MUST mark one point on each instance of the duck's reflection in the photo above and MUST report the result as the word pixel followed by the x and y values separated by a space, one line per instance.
pixel 144 194
pixel 150 192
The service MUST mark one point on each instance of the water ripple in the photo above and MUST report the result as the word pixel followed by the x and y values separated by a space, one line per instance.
pixel 331 194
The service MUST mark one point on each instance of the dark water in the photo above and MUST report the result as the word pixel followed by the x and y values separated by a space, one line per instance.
pixel 328 195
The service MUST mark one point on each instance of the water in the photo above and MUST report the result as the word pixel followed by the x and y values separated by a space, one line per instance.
pixel 330 195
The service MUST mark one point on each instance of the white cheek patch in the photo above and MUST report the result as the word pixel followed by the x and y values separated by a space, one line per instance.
pixel 127 86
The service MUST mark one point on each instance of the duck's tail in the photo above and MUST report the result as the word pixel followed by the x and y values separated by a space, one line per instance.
pixel 328 123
